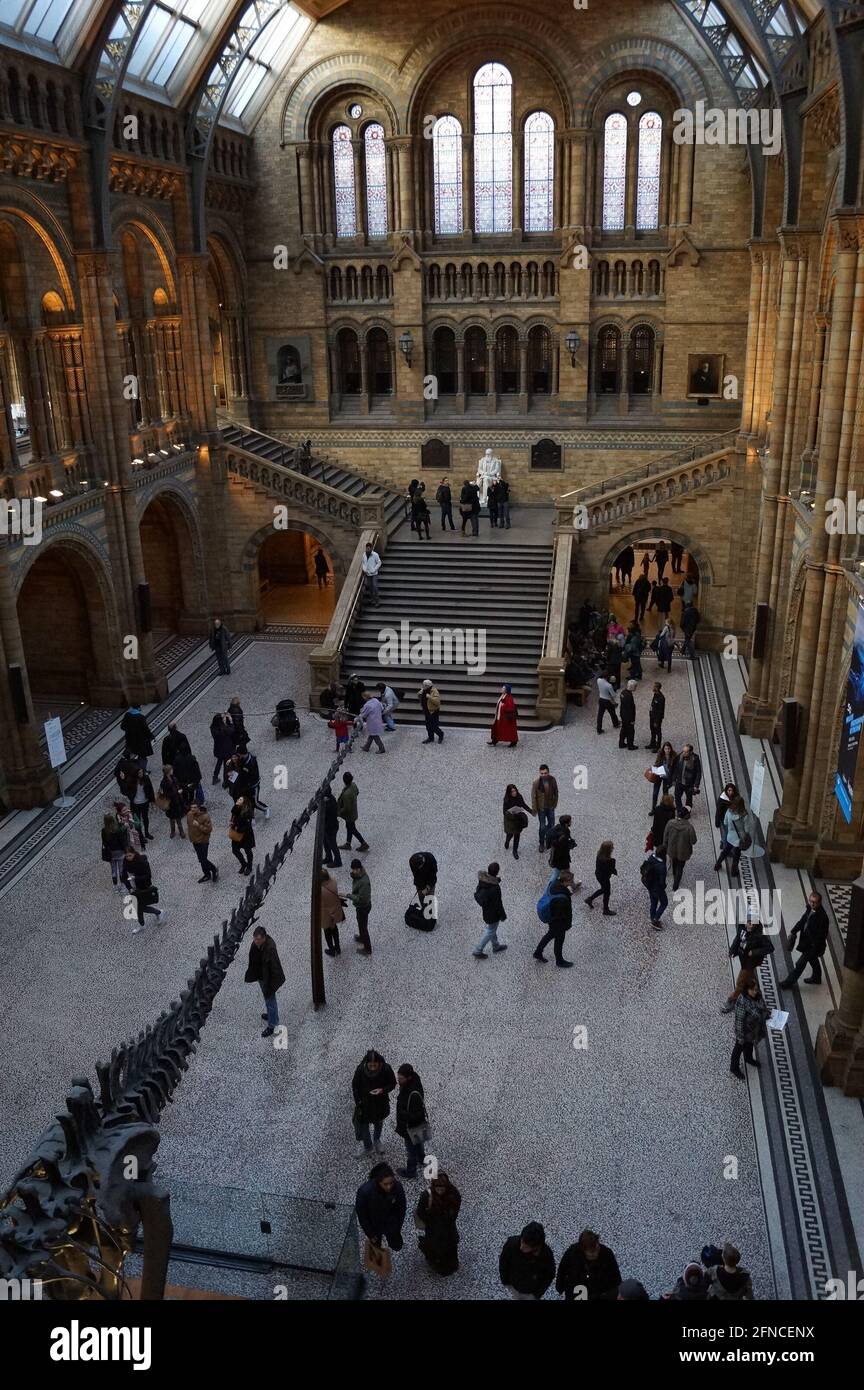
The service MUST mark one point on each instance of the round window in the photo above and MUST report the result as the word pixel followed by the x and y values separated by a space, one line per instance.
pixel 355 111
pixel 634 98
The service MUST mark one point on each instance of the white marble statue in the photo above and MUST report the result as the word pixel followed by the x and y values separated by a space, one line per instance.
pixel 488 472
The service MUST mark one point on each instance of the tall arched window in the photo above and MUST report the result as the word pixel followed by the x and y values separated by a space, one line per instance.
pixel 447 175
pixel 614 172
pixel 539 171
pixel 376 181
pixel 343 182
pixel 493 149
pixel 648 180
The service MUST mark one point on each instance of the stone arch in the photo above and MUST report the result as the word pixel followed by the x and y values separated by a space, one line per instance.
pixel 509 321
pixel 68 619
pixel 185 596
pixel 52 238
pixel 339 549
pixel 351 72
pixel 154 231
pixel 610 61
pixel 229 266
pixel 629 536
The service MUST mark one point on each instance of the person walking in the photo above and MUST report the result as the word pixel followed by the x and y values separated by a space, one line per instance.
pixel 606 700
pixel 632 650
pixel 241 834
pixel 614 657
pixel 561 842
pixel 444 498
pixel 667 761
pixel 115 842
pixel 504 727
pixel 688 776
pixel 653 875
pixel 360 898
pixel 590 1266
pixel 688 590
pixel 526 1265
pixel 173 744
pixel 641 592
pixel 371 567
pixel 372 715
pixel 724 801
pixel 389 705
pixel 729 1280
pixel 200 828
pixel 469 506
pixel 420 513
pixel 222 733
pixel 265 969
pixel 677 552
pixel 347 809
pixel 411 1119
pixel 126 773
pixel 628 560
pixel 487 895
pixel 430 703
pixel 604 868
pixel 656 713
pixel 139 738
pixel 380 1206
pixel 250 783
pixel 690 620
pixel 332 857
pixel 736 835
pixel 560 918
pixel 141 799
pixel 516 812
pixel 811 933
pixel 371 1085
pixel 322 569
pixel 627 709
pixel 436 1216
pixel 679 839
pixel 666 645
pixel 330 913
pixel 138 878
pixel 220 642
pixel 544 800
pixel 661 559
pixel 751 947
pixel 170 800
pixel 187 770
pixel 751 1013
pixel 662 814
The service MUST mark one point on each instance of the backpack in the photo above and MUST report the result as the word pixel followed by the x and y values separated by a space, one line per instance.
pixel 544 907
pixel 711 1256
pixel 645 872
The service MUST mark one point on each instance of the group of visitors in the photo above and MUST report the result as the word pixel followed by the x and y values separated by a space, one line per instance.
pixel 497 503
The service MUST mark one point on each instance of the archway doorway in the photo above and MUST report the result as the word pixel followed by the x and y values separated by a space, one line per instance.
pixel 66 634
pixel 642 360
pixel 658 559
pixel 290 588
pixel 608 360
pixel 169 566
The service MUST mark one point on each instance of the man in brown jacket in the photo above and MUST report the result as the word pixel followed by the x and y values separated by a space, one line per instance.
pixel 544 799
pixel 331 914
pixel 200 828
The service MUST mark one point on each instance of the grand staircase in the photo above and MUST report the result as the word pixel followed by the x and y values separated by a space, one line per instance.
pixel 491 585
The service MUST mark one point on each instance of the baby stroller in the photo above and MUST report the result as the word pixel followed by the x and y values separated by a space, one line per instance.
pixel 285 720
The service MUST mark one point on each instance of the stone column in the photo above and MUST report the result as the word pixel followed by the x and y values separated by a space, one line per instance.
pixel 821 326
pixel 29 781
pixel 684 190
pixel 9 462
pixel 519 208
pixel 360 188
pixel 624 376
pixel 405 163
pixel 40 446
pixel 632 178
pixel 329 204
pixel 318 171
pixel 523 374
pixel 491 376
pixel 757 262
pixel 467 184
pixel 578 147
pixel 307 198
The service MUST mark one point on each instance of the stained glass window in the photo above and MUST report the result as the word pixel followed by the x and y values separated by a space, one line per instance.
pixel 539 171
pixel 447 175
pixel 376 181
pixel 648 181
pixel 493 149
pixel 343 181
pixel 614 172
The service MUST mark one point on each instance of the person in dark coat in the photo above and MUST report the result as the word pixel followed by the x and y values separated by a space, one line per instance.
pixel 238 724
pixel 371 1085
pixel 420 517
pixel 729 1280
pixel 590 1266
pixel 410 1117
pixel 332 857
pixel 187 770
pixel 688 776
pixel 139 739
pixel 241 824
pixel 355 695
pixel 627 560
pixel 526 1264
pixel 175 807
pixel 679 839
pixel 604 868
pixel 220 641
pixel 677 551
pixel 126 774
pixel 664 598
pixel 469 506
pixel 653 875
pixel 560 843
pixel 436 1216
pixel 487 895
pixel 222 733
pixel 751 1013
pixel 692 1287
pixel 138 879
pixel 641 594
pixel 751 946
pixel 811 932
pixel 115 842
pixel 492 504
pixel 560 919
pixel 265 969
pixel 690 619
pixel 444 498
pixel 424 873
pixel 656 713
pixel 661 817
pixel 380 1206
pixel 173 744
pixel 668 760
pixel 322 569
pixel 661 558
pixel 516 812
pixel 724 801
pixel 627 711
pixel 141 799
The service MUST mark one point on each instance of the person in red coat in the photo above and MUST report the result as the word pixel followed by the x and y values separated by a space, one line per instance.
pixel 504 728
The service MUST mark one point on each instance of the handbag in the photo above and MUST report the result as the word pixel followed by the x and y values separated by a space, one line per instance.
pixel 236 836
pixel 746 842
pixel 420 1134
pixel 465 508
pixel 163 801
pixel 377 1260
pixel 651 776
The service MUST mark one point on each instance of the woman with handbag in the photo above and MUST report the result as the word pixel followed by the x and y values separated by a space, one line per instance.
pixel 241 834
pixel 371 1085
pixel 412 1123
pixel 736 836
pixel 516 813
pixel 139 881
pixel 751 1013
pixel 170 800
pixel 667 758
pixel 436 1216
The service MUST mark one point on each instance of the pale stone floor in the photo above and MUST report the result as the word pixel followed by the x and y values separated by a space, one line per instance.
pixel 629 1137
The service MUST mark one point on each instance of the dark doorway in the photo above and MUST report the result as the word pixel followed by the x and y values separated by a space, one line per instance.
pixel 642 360
pixel 475 361
pixel 608 360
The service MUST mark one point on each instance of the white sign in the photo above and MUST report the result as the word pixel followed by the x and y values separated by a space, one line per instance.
pixel 56 746
pixel 756 783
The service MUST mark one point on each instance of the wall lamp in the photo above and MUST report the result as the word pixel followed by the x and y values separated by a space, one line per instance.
pixel 573 343
pixel 406 345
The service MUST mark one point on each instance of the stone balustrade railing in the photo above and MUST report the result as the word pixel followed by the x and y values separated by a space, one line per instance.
pixel 362 513
pixel 581 512
pixel 325 662
pixel 551 686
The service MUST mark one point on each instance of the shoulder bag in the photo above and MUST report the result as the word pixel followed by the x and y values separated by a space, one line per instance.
pixel 422 1133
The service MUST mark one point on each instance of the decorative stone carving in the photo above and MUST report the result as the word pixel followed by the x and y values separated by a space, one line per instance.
pixel 36 159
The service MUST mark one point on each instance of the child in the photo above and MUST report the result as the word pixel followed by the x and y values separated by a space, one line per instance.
pixel 340 724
